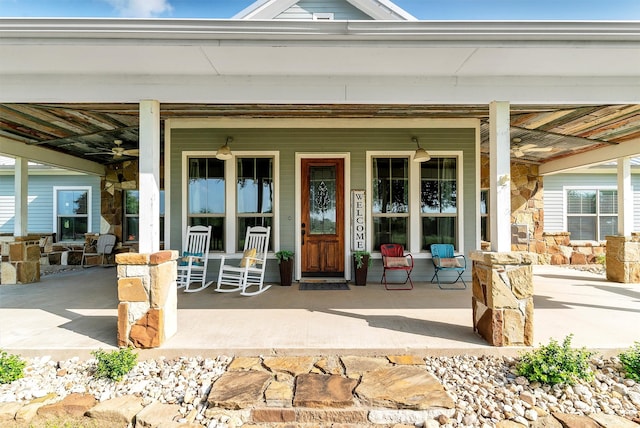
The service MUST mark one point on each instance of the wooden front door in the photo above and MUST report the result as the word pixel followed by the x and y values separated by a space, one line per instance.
pixel 322 217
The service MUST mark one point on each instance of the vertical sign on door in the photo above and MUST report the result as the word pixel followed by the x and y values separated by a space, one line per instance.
pixel 357 220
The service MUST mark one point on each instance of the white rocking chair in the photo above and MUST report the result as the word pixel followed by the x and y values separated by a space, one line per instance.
pixel 192 265
pixel 250 272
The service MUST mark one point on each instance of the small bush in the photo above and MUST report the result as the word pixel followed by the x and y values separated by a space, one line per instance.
pixel 115 364
pixel 631 362
pixel 554 364
pixel 11 367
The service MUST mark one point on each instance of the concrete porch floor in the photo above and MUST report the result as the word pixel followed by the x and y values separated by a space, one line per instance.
pixel 72 313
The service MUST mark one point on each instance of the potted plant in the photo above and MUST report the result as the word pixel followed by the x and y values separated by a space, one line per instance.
pixel 285 262
pixel 361 262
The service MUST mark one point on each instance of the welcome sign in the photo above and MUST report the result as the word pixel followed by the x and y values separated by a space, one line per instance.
pixel 359 230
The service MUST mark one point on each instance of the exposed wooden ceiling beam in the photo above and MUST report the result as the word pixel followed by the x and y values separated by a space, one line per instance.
pixel 50 157
pixel 593 157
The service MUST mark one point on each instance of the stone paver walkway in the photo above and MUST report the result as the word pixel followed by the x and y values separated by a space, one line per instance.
pixel 336 391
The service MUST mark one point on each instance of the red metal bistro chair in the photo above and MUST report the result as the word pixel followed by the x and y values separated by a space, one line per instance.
pixel 394 258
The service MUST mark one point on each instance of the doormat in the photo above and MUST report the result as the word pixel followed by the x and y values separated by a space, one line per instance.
pixel 306 286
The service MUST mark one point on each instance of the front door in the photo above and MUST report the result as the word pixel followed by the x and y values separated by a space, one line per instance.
pixel 322 217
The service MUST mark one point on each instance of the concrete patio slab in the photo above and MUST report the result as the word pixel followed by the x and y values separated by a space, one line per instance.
pixel 72 313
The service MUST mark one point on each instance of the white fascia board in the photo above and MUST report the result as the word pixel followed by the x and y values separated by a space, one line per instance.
pixel 50 157
pixel 54 30
pixel 594 157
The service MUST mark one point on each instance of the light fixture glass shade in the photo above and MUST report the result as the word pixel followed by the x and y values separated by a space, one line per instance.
pixel 224 153
pixel 421 155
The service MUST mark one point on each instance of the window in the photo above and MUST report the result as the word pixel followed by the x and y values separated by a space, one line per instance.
pixel 132 215
pixel 231 196
pixel 439 201
pixel 484 215
pixel 206 197
pixel 592 214
pixel 72 213
pixel 254 195
pixel 390 201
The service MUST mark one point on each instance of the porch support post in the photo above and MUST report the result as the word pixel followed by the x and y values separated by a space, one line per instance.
pixel 623 250
pixel 21 187
pixel 625 197
pixel 149 176
pixel 499 174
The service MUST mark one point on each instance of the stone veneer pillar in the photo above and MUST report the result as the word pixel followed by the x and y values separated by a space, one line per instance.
pixel 503 297
pixel 623 258
pixel 148 299
pixel 20 261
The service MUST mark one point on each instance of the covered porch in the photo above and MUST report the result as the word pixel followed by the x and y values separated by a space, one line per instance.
pixel 41 318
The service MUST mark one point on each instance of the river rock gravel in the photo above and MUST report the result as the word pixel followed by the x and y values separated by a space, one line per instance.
pixel 486 389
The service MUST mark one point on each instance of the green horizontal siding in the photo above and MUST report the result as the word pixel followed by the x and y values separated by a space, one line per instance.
pixel 354 141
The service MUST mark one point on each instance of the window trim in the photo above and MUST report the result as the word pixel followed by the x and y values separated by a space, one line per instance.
pixel 415 216
pixel 565 213
pixel 231 215
pixel 89 207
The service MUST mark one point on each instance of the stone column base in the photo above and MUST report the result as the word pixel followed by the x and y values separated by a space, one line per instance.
pixel 20 261
pixel 502 299
pixel 623 258
pixel 148 308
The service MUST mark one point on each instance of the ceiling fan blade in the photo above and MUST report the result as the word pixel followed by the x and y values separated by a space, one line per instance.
pixel 131 152
pixel 518 153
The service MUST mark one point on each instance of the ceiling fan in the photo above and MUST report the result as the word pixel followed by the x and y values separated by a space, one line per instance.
pixel 519 150
pixel 118 151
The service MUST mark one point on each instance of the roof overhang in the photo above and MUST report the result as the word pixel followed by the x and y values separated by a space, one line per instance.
pixel 319 62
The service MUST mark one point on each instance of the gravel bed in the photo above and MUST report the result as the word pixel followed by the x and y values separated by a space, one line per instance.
pixel 486 389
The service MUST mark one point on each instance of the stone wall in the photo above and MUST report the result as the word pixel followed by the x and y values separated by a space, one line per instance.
pixel 118 177
pixel 527 206
pixel 623 258
pixel 558 249
pixel 148 300
pixel 502 298
pixel 20 260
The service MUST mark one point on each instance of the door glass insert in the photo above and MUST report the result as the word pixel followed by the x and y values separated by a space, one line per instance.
pixel 322 200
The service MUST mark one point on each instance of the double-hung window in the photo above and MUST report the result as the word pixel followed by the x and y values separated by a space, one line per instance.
pixel 72 212
pixel 390 201
pixel 414 204
pixel 439 201
pixel 592 214
pixel 206 197
pixel 254 195
pixel 231 196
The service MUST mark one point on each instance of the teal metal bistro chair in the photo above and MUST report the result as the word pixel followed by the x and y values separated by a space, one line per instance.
pixel 445 260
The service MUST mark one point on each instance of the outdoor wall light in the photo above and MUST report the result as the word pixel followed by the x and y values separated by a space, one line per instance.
pixel 421 155
pixel 224 151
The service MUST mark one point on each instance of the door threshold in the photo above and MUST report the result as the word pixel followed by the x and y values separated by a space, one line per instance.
pixel 323 280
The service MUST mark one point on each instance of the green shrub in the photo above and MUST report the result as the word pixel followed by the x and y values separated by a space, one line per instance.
pixel 115 364
pixel 554 364
pixel 630 360
pixel 11 367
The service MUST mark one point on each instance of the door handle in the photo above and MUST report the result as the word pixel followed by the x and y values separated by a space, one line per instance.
pixel 303 232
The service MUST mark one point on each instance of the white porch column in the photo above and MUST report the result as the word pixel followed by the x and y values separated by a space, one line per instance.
pixel 149 176
pixel 21 186
pixel 500 176
pixel 625 197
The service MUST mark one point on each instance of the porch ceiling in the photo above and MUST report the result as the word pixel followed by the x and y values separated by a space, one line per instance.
pixel 539 133
pixel 573 85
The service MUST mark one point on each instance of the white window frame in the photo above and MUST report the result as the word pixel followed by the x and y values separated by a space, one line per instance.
pixel 56 189
pixel 415 216
pixel 231 215
pixel 565 213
